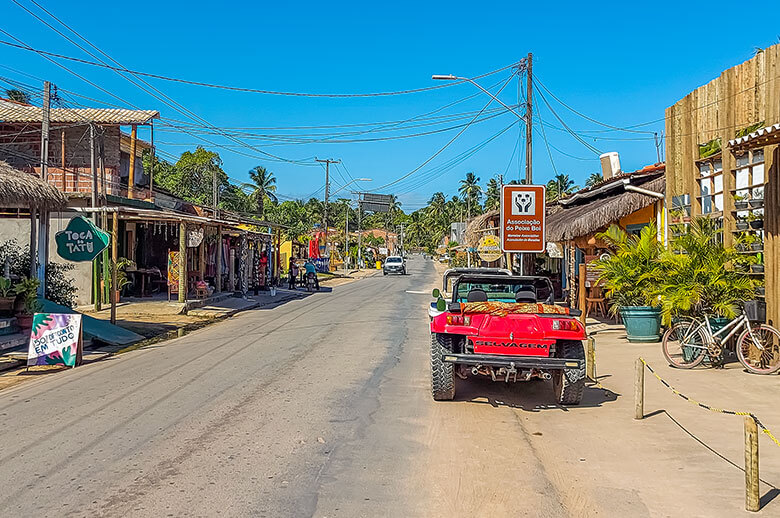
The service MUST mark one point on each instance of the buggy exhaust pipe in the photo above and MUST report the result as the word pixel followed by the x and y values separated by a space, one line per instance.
pixel 546 375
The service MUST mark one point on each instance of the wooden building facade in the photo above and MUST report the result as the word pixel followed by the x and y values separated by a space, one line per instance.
pixel 722 160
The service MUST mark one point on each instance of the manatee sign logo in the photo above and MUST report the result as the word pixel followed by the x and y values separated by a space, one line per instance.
pixel 81 240
pixel 523 219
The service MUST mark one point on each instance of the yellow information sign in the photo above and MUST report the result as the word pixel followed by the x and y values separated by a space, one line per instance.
pixel 489 248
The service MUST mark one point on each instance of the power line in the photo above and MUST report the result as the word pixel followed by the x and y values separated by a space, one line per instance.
pixel 568 129
pixel 41 52
pixel 437 153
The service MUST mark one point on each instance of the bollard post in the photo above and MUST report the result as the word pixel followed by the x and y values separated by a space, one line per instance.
pixel 590 362
pixel 639 390
pixel 752 496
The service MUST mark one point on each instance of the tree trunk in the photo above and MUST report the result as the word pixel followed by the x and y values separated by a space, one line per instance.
pixel 260 203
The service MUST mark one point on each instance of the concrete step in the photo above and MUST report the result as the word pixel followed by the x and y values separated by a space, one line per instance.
pixel 13 340
pixel 8 326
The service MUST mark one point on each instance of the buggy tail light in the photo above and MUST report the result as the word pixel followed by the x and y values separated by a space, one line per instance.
pixel 459 320
pixel 564 325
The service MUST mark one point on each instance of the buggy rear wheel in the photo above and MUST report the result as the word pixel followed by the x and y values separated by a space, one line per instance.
pixel 442 373
pixel 569 383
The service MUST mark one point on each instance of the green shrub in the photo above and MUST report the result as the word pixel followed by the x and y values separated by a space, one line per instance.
pixel 60 287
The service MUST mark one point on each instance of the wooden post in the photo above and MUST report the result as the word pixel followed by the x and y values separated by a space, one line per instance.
pixel 183 284
pixel 639 390
pixel 590 356
pixel 581 294
pixel 219 258
pixel 232 270
pixel 202 255
pixel 752 496
pixel 131 175
pixel 33 243
pixel 62 158
pixel 114 259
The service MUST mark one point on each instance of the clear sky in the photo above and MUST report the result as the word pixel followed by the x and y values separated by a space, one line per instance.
pixel 620 63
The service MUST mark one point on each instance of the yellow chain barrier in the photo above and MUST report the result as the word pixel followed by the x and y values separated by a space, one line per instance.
pixel 711 408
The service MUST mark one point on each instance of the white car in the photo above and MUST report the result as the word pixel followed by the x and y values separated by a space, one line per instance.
pixel 394 264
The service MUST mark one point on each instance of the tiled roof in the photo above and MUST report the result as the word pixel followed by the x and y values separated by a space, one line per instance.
pixel 14 112
pixel 773 130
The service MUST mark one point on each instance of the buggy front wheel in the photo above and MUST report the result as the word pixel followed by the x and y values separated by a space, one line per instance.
pixel 684 345
pixel 758 349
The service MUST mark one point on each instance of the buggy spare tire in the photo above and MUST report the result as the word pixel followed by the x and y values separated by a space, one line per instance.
pixel 569 383
pixel 442 373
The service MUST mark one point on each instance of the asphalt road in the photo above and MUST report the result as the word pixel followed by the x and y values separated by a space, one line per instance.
pixel 319 407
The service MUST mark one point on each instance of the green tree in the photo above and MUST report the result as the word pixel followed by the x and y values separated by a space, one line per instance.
pixel 263 185
pixel 594 179
pixel 492 195
pixel 192 177
pixel 18 96
pixel 470 191
pixel 560 187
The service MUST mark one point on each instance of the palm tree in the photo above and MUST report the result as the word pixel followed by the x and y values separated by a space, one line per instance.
pixel 470 191
pixel 560 187
pixel 493 195
pixel 18 96
pixel 594 179
pixel 263 184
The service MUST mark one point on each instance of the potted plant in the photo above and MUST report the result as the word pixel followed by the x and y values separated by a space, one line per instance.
pixel 701 275
pixel 742 224
pixel 27 291
pixel 7 295
pixel 740 202
pixel 121 275
pixel 758 266
pixel 631 276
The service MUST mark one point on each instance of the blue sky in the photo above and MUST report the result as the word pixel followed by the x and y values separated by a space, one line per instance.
pixel 618 63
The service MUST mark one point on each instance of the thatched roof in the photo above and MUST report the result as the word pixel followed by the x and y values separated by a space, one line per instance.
pixel 477 223
pixel 23 190
pixel 607 206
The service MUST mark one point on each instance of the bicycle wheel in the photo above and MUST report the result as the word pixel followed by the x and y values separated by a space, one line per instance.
pixel 684 345
pixel 764 359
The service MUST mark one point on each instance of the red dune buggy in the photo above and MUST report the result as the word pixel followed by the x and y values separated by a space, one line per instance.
pixel 507 328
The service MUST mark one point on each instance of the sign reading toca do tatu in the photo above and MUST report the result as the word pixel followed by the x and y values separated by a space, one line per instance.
pixel 81 240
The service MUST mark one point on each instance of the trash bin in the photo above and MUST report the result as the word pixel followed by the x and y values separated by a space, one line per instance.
pixel 379 265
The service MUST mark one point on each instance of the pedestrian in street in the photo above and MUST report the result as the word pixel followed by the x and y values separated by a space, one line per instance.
pixel 293 272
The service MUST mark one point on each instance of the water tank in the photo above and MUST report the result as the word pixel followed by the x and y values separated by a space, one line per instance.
pixel 610 164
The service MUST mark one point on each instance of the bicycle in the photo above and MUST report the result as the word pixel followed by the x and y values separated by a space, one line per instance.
pixel 687 343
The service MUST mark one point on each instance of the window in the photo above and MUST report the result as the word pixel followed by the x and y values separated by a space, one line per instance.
pixel 749 176
pixel 711 185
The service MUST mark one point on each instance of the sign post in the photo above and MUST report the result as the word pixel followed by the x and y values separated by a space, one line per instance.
pixel 523 219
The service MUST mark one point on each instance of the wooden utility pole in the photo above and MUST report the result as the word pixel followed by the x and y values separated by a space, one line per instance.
pixel 215 194
pixel 529 176
pixel 45 131
pixel 114 293
pixel 92 166
pixel 183 284
pixel 131 175
pixel 219 258
pixel 327 163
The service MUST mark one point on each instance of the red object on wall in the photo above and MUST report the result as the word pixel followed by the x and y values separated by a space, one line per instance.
pixel 314 248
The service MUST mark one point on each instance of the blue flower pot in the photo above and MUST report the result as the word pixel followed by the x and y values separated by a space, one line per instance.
pixel 643 323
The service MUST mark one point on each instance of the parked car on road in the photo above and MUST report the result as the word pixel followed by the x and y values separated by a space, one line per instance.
pixel 394 264
pixel 506 328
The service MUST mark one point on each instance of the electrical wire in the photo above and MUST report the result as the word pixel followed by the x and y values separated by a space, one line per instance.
pixel 41 52
pixel 440 150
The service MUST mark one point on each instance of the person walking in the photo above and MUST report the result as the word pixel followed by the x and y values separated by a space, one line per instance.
pixel 293 272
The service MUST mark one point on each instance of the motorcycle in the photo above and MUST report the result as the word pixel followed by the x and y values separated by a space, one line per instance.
pixel 311 281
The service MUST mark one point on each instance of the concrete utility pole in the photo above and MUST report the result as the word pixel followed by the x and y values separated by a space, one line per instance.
pixel 529 176
pixel 214 194
pixel 360 233
pixel 327 163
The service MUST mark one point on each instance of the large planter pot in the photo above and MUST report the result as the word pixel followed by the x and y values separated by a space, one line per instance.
pixel 24 321
pixel 7 304
pixel 643 323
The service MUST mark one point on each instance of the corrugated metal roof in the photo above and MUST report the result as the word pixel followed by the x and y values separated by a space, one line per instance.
pixel 13 112
pixel 763 132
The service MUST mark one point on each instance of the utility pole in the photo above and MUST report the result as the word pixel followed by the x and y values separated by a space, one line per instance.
pixel 529 177
pixel 346 239
pixel 92 166
pixel 327 163
pixel 360 233
pixel 214 193
pixel 45 132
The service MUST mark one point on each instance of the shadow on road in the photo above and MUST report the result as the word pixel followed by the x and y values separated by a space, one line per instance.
pixel 531 396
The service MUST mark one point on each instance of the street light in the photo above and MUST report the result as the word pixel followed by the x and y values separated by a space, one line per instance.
pixel 450 77
pixel 346 230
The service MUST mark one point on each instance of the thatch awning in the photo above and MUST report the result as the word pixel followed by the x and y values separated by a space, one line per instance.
pixel 602 210
pixel 20 190
pixel 475 225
